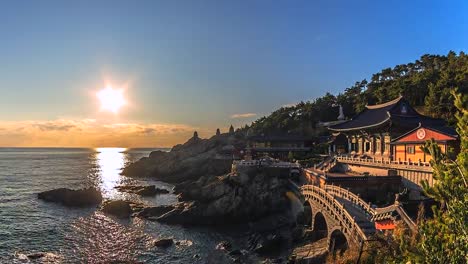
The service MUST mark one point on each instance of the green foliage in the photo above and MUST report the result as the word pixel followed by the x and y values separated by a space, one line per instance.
pixel 426 83
pixel 443 238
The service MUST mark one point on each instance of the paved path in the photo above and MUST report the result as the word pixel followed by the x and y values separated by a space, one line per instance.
pixel 311 250
pixel 361 218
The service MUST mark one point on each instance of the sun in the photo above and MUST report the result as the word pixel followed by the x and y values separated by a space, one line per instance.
pixel 111 99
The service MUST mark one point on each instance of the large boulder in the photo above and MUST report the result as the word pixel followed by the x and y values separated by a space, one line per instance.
pixel 68 197
pixel 118 208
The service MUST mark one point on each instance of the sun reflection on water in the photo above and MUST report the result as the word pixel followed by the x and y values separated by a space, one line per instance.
pixel 110 162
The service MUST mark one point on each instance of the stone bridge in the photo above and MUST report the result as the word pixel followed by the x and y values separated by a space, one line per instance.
pixel 342 216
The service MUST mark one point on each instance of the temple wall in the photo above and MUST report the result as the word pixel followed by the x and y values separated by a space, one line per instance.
pixel 365 169
pixel 414 178
pixel 418 154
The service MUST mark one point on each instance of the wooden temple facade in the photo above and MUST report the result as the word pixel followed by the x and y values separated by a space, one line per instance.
pixel 391 131
pixel 385 140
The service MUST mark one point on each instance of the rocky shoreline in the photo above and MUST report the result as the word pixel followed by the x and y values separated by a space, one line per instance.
pixel 210 194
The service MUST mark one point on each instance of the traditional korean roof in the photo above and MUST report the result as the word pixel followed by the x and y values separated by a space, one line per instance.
pixel 449 133
pixel 397 112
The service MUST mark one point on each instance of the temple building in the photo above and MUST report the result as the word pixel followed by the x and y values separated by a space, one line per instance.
pixel 391 131
pixel 382 146
pixel 278 146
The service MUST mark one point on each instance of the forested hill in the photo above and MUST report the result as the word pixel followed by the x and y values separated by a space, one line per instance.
pixel 426 83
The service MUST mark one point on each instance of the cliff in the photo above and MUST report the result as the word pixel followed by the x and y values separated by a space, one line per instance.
pixel 189 161
pixel 231 198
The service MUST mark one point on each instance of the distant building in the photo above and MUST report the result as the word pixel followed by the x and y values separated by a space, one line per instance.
pixel 231 130
pixel 278 146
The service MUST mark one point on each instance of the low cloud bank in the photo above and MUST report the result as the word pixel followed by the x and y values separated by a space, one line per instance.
pixel 245 115
pixel 91 133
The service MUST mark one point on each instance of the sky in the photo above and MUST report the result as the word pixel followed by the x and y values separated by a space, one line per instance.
pixel 195 65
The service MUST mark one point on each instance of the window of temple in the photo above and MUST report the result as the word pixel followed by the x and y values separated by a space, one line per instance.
pixel 410 149
pixel 367 146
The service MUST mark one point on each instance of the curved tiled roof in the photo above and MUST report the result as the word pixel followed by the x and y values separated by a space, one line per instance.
pixel 376 115
pixel 372 116
pixel 393 102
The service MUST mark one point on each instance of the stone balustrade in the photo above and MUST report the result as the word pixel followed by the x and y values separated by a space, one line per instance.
pixel 372 213
pixel 348 225
pixel 387 164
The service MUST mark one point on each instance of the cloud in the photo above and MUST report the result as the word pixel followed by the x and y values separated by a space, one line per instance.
pixel 92 133
pixel 52 126
pixel 245 115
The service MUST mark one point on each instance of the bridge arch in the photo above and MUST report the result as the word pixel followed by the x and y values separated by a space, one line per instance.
pixel 320 226
pixel 306 218
pixel 337 240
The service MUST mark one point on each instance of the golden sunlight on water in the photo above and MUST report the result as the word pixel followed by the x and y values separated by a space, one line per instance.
pixel 110 162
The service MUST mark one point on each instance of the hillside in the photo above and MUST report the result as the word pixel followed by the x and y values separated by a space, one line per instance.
pixel 426 83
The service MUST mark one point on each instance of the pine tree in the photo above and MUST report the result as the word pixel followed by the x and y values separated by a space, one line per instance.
pixel 444 238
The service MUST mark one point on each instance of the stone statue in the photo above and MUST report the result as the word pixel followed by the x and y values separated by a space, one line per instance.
pixel 218 132
pixel 231 130
pixel 195 135
pixel 341 116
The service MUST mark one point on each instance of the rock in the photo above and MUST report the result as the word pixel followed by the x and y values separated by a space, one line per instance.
pixel 118 208
pixel 189 161
pixel 45 257
pixel 270 245
pixel 224 245
pixel 68 197
pixel 148 190
pixel 164 242
pixel 36 255
pixel 227 200
pixel 155 211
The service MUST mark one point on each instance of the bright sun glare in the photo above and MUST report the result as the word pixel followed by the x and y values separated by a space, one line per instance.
pixel 111 100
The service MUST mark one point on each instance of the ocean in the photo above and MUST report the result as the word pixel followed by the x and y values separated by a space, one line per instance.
pixel 85 235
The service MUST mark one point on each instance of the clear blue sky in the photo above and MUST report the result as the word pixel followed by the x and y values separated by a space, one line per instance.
pixel 199 62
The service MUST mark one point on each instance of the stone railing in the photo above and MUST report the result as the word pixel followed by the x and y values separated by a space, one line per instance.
pixel 265 164
pixel 387 164
pixel 411 224
pixel 365 207
pixel 349 226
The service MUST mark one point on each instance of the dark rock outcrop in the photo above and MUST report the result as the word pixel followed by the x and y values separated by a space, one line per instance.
pixel 188 161
pixel 148 190
pixel 149 212
pixel 164 242
pixel 118 208
pixel 74 198
pixel 232 198
pixel 270 245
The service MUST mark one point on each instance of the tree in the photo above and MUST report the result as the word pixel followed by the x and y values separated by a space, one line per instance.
pixel 444 238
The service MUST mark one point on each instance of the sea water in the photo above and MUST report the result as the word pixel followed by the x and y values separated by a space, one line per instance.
pixel 85 235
